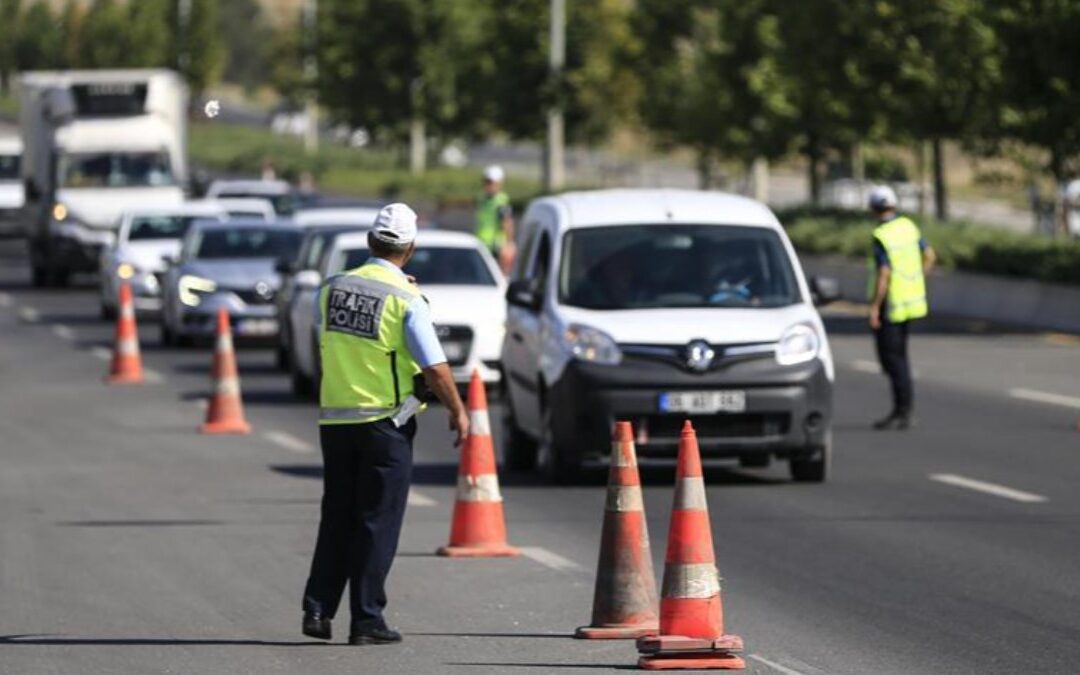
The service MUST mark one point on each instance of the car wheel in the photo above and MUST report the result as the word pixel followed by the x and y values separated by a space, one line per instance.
pixel 551 457
pixel 39 276
pixel 167 337
pixel 302 386
pixel 519 449
pixel 813 465
pixel 758 460
pixel 282 359
pixel 107 313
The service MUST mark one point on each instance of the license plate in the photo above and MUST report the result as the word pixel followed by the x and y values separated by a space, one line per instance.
pixel 703 401
pixel 455 351
pixel 256 326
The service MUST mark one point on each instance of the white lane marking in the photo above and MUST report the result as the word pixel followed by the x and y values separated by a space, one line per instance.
pixel 289 442
pixel 63 332
pixel 550 559
pixel 865 366
pixel 103 353
pixel 202 403
pixel 418 499
pixel 153 376
pixel 774 665
pixel 988 488
pixel 1045 397
pixel 5 299
pixel 29 314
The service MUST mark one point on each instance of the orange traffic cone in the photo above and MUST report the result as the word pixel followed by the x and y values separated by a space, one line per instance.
pixel 126 361
pixel 624 603
pixel 225 415
pixel 691 612
pixel 478 529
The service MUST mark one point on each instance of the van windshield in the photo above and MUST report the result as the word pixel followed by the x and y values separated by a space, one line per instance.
pixel 116 170
pixel 650 266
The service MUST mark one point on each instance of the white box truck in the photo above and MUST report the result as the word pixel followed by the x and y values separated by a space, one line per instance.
pixel 11 187
pixel 96 142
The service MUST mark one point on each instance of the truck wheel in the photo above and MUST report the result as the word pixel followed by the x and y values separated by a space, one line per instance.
pixel 813 465
pixel 39 276
pixel 519 450
pixel 757 460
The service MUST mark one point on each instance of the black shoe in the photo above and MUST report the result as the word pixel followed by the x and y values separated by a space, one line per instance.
pixel 895 421
pixel 316 625
pixel 374 635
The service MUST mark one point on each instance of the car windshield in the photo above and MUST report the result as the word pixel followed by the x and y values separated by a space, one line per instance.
pixel 247 242
pixel 9 167
pixel 144 228
pixel 115 169
pixel 284 204
pixel 436 266
pixel 646 266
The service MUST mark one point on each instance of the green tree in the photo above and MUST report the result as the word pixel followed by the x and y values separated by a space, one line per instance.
pixel 104 36
pixel 9 33
pixel 249 43
pixel 71 38
pixel 149 33
pixel 37 44
pixel 197 50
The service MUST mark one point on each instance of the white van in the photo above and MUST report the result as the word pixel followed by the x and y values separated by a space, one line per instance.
pixel 657 306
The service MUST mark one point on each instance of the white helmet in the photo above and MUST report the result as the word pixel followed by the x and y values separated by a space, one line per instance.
pixel 882 198
pixel 494 173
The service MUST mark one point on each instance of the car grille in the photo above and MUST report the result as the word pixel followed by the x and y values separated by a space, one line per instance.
pixel 724 355
pixel 724 426
pixel 252 298
pixel 456 342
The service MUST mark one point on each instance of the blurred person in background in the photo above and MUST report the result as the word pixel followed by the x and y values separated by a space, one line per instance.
pixel 379 354
pixel 900 260
pixel 495 218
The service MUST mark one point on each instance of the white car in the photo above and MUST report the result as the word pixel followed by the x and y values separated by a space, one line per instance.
pixel 360 216
pixel 658 306
pixel 246 207
pixel 460 280
pixel 280 194
pixel 144 238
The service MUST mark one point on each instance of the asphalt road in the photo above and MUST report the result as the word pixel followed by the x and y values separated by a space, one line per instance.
pixel 131 544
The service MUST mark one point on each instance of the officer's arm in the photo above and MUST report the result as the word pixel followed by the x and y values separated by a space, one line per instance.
pixel 440 380
pixel 423 344
pixel 929 258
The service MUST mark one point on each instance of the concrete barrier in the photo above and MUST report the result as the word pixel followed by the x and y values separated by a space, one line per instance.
pixel 1021 302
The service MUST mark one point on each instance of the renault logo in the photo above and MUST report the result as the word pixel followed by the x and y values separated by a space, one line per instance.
pixel 264 290
pixel 699 356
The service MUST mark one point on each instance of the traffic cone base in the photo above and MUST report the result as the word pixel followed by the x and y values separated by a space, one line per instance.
pixel 226 427
pixel 672 652
pixel 478 525
pixel 624 600
pixel 693 661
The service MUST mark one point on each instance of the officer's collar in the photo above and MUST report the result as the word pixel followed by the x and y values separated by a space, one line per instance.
pixel 383 262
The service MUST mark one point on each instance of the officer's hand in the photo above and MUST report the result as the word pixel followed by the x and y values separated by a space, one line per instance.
pixel 459 424
pixel 875 318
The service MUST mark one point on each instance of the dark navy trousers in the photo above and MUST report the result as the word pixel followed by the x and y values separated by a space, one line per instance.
pixel 891 341
pixel 366 474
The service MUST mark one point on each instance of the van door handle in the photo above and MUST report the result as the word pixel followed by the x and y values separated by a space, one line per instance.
pixel 517 337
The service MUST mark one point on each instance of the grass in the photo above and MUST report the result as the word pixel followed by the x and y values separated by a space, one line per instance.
pixel 337 170
pixel 959 245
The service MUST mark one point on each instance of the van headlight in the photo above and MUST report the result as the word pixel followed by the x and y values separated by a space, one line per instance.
pixel 189 286
pixel 798 344
pixel 589 344
pixel 125 270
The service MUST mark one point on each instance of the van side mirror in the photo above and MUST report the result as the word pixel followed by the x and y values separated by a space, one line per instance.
pixel 307 279
pixel 169 259
pixel 824 290
pixel 522 293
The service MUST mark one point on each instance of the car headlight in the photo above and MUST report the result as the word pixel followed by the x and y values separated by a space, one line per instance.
pixel 59 211
pixel 125 270
pixel 589 344
pixel 190 286
pixel 798 344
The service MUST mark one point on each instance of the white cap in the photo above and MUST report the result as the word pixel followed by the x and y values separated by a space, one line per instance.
pixel 494 173
pixel 882 198
pixel 395 224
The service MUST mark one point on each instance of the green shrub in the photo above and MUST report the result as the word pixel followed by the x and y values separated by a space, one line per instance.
pixel 959 245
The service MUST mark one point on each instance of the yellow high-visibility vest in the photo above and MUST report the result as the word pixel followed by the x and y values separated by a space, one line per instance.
pixel 907 285
pixel 367 370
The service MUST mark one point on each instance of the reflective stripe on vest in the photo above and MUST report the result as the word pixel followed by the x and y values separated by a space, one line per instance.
pixel 488 224
pixel 367 370
pixel 907 284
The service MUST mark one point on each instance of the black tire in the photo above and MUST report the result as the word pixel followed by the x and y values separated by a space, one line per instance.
pixel 39 276
pixel 167 337
pixel 107 313
pixel 553 459
pixel 282 360
pixel 757 460
pixel 303 387
pixel 60 278
pixel 519 449
pixel 813 465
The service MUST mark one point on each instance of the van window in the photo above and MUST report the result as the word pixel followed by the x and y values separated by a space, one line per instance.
pixel 524 257
pixel 542 264
pixel 643 266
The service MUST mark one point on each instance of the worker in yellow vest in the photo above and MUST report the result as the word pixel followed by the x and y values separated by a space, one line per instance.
pixel 900 261
pixel 495 218
pixel 379 352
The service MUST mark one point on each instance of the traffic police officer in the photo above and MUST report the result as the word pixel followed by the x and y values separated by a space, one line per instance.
pixel 900 260
pixel 376 338
pixel 495 217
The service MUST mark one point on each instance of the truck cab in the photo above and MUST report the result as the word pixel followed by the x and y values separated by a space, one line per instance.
pixel 97 143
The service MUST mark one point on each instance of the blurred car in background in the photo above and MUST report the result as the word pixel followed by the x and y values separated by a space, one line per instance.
pixel 227 264
pixel 329 214
pixel 284 198
pixel 658 306
pixel 247 207
pixel 144 238
pixel 12 193
pixel 302 273
pixel 460 280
